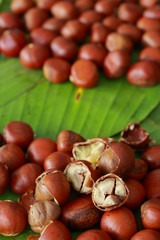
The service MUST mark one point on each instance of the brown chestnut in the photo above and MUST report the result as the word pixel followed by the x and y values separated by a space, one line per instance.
pixel 34 18
pixel 66 139
pixel 13 218
pixel 94 234
pixel 64 48
pixel 89 17
pixel 9 20
pixel 74 30
pixel 57 161
pixel 33 55
pixel 116 63
pixel 152 156
pixel 23 178
pixel 152 12
pixel 27 199
pixel 90 150
pixel 52 185
pixel 99 32
pixel 53 24
pixel 88 78
pixel 112 22
pixel 56 70
pixel 19 133
pixel 55 230
pixel 151 184
pixel 93 52
pixel 105 7
pixel 135 136
pixel 147 3
pixel 115 41
pixel 151 39
pixel 41 214
pixel 146 234
pixel 11 42
pixel 82 175
pixel 21 6
pixel 109 192
pixel 130 31
pixel 150 214
pixel 139 169
pixel 4 178
pixel 148 24
pixel 129 12
pixel 45 4
pixel 150 54
pixel 117 158
pixel 12 156
pixel 39 149
pixel 84 5
pixel 144 74
pixel 136 194
pixel 80 213
pixel 119 223
pixel 64 10
pixel 42 36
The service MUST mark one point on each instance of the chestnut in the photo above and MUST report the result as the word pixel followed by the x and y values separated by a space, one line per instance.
pixel 94 234
pixel 139 169
pixel 83 5
pixel 119 223
pixel 57 161
pixel 39 149
pixel 152 12
pixel 129 12
pixel 130 31
pixel 27 199
pixel 52 185
pixel 33 55
pixel 152 156
pixel 74 30
pixel 23 178
pixel 117 158
pixel 9 20
pixel 109 192
pixel 42 36
pixel 148 24
pixel 66 139
pixel 90 150
pixel 136 194
pixel 150 214
pixel 147 3
pixel 104 7
pixel 21 6
pixel 93 52
pixel 45 4
pixel 116 63
pixel 80 213
pixel 150 54
pixel 112 22
pixel 64 10
pixel 41 214
pixel 64 48
pixel 146 234
pixel 33 237
pixel 151 184
pixel 19 133
pixel 115 41
pixel 13 218
pixel 151 39
pixel 34 18
pixel 82 175
pixel 135 136
pixel 55 230
pixel 53 24
pixel 56 70
pixel 4 178
pixel 89 78
pixel 99 32
pixel 12 156
pixel 144 74
pixel 11 42
pixel 89 17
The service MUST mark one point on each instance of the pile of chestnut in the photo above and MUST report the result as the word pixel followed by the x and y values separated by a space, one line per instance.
pixel 77 184
pixel 53 35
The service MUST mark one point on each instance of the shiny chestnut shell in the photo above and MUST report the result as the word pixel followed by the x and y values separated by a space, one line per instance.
pixel 151 184
pixel 9 20
pixel 146 234
pixel 94 234
pixel 152 156
pixel 4 178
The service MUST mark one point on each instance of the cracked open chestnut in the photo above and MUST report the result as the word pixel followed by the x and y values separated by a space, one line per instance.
pixel 27 199
pixel 109 192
